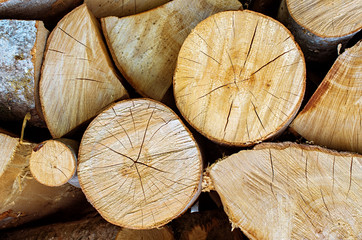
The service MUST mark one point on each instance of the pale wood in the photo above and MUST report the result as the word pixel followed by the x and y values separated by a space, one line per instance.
pixel 121 8
pixel 332 117
pixel 290 191
pixel 163 233
pixel 240 78
pixel 22 198
pixel 54 162
pixel 22 46
pixel 145 46
pixel 319 26
pixel 35 9
pixel 139 166
pixel 78 78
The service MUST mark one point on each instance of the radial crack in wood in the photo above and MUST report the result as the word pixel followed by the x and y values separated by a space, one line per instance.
pixel 240 78
pixel 145 46
pixel 139 166
pixel 290 191
pixel 78 78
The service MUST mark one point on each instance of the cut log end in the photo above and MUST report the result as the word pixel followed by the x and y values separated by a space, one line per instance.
pixel 163 233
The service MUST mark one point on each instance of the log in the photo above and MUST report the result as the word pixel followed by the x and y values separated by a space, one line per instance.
pixel 121 8
pixel 321 30
pixel 54 162
pixel 22 45
pixel 291 191
pixel 240 78
pixel 22 198
pixel 332 117
pixel 145 46
pixel 78 79
pixel 163 233
pixel 139 166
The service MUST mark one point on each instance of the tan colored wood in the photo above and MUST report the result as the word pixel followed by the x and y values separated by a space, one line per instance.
pixel 290 191
pixel 22 198
pixel 332 117
pixel 145 46
pixel 78 78
pixel 139 166
pixel 121 8
pixel 22 45
pixel 54 162
pixel 240 78
pixel 163 233
pixel 319 26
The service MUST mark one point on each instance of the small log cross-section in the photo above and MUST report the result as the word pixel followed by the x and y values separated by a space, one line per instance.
pixel 240 78
pixel 333 116
pixel 78 78
pixel 290 191
pixel 139 166
pixel 145 46
pixel 22 45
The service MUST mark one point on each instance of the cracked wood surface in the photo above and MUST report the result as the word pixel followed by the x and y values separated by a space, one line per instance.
pixel 240 78
pixel 291 191
pixel 78 78
pixel 138 164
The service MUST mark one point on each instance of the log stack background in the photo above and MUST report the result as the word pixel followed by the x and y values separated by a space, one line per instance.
pixel 160 107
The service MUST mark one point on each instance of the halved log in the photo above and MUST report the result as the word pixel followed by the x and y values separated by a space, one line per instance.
pixel 22 198
pixel 240 78
pixel 319 26
pixel 54 162
pixel 78 78
pixel 22 45
pixel 121 8
pixel 333 116
pixel 139 166
pixel 163 233
pixel 145 46
pixel 290 191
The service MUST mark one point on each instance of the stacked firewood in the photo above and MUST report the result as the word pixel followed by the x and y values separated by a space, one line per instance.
pixel 144 108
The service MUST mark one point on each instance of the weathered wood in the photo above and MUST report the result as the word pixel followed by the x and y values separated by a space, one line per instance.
pixel 163 233
pixel 78 78
pixel 319 26
pixel 332 117
pixel 290 191
pixel 121 8
pixel 22 46
pixel 139 166
pixel 240 78
pixel 145 46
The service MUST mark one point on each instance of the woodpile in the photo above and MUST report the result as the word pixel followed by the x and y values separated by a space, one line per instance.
pixel 234 139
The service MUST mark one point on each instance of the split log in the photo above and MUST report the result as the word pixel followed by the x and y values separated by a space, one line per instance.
pixel 139 166
pixel 54 162
pixel 78 78
pixel 290 191
pixel 121 8
pixel 319 26
pixel 35 9
pixel 22 45
pixel 163 233
pixel 332 117
pixel 145 46
pixel 240 78
pixel 22 198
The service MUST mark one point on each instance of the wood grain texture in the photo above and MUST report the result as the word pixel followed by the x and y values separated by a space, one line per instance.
pixel 240 78
pixel 163 233
pixel 145 46
pixel 290 191
pixel 78 78
pixel 333 115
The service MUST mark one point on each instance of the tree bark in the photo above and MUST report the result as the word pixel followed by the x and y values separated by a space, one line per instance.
pixel 290 191
pixel 320 26
pixel 22 46
pixel 78 78
pixel 236 83
pixel 22 198
pixel 145 46
pixel 139 166
pixel 332 117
